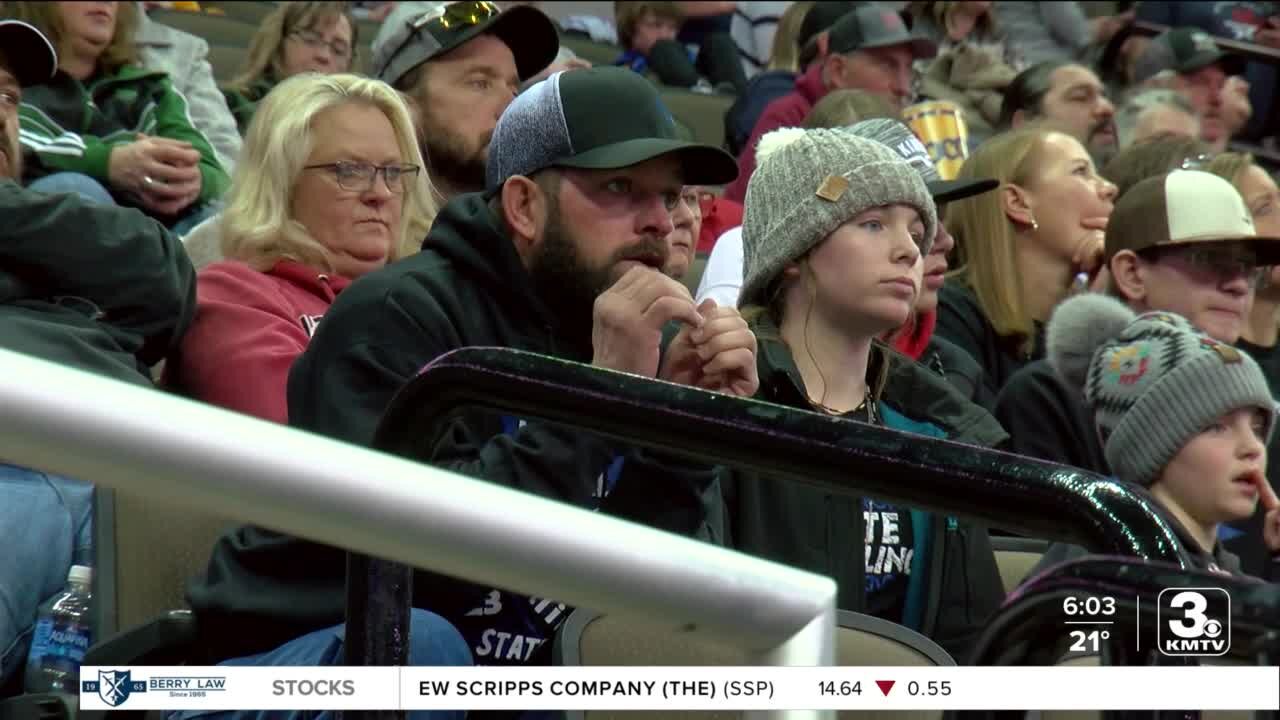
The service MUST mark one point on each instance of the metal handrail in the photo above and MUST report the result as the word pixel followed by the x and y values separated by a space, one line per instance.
pixel 69 422
pixel 1009 491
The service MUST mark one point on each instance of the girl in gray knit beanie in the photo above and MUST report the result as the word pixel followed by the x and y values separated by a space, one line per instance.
pixel 835 230
pixel 1177 411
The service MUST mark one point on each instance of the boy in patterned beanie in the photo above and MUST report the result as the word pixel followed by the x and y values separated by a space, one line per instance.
pixel 1178 412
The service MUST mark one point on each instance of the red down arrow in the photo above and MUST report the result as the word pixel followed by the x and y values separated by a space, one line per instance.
pixel 885 686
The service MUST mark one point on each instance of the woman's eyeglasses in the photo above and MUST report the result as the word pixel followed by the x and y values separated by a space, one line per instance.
pixel 314 40
pixel 359 177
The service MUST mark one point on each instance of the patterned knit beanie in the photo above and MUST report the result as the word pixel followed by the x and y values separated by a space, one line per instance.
pixel 1153 381
pixel 807 183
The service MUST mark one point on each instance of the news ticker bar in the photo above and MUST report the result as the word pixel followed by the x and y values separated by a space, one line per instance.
pixel 679 688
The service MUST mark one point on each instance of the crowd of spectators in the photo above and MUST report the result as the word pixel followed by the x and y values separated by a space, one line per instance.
pixel 1096 285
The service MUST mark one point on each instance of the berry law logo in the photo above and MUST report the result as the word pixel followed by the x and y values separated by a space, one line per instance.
pixel 1186 627
pixel 114 686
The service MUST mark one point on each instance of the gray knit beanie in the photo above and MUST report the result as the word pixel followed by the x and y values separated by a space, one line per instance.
pixel 1153 381
pixel 807 183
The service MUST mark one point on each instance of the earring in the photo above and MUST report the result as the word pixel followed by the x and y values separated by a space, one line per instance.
pixel 1034 225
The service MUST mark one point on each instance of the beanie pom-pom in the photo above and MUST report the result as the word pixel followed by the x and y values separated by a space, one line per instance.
pixel 775 140
pixel 1079 327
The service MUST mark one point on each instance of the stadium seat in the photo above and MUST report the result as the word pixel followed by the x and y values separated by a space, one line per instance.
pixel 368 30
pixel 146 551
pixel 694 274
pixel 242 10
pixel 1015 557
pixel 596 53
pixel 226 61
pixel 587 638
pixel 215 29
pixel 703 113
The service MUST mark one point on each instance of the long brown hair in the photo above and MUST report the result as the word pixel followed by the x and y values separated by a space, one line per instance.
pixel 266 51
pixel 121 51
pixel 785 53
pixel 772 310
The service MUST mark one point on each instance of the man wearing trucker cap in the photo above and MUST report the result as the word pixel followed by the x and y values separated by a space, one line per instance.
pixel 561 255
pixel 869 48
pixel 1183 243
pixel 460 64
pixel 1190 62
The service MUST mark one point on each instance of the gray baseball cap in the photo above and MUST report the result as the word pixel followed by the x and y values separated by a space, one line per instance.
pixel 899 137
pixel 31 58
pixel 598 119
pixel 871 25
pixel 412 35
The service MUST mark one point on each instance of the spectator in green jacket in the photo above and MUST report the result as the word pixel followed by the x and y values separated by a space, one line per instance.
pixel 107 128
pixel 297 37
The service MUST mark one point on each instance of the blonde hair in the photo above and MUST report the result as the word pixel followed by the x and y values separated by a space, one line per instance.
pixel 256 225
pixel 266 51
pixel 785 53
pixel 840 108
pixel 1229 166
pixel 121 51
pixel 985 241
pixel 628 14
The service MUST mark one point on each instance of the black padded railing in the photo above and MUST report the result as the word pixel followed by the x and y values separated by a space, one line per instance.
pixel 995 488
pixel 1000 489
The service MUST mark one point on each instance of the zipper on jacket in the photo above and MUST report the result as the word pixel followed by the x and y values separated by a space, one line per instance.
pixel 935 364
pixel 937 571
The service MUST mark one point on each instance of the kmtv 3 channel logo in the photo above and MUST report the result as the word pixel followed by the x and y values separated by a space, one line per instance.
pixel 1187 627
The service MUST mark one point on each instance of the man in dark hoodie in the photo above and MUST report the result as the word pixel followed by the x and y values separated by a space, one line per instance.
pixel 1182 243
pixel 559 256
pixel 99 288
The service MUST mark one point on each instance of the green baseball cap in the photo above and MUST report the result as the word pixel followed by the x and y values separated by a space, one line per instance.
pixel 1184 50
pixel 596 119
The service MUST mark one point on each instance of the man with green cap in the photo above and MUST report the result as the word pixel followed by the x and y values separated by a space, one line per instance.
pixel 560 255
pixel 1189 61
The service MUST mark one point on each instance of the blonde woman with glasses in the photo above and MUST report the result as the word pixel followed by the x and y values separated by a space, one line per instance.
pixel 298 37
pixel 330 187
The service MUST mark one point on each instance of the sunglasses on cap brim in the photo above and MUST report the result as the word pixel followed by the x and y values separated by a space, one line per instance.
pixel 449 18
pixel 458 15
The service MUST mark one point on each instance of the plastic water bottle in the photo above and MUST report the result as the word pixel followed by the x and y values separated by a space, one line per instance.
pixel 62 636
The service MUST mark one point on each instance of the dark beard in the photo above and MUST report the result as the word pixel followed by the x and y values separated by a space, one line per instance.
pixel 563 280
pixel 449 158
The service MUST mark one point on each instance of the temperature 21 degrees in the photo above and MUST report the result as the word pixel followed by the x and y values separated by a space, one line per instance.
pixel 1089 641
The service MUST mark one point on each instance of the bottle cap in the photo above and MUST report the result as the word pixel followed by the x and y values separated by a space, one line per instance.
pixel 80 574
